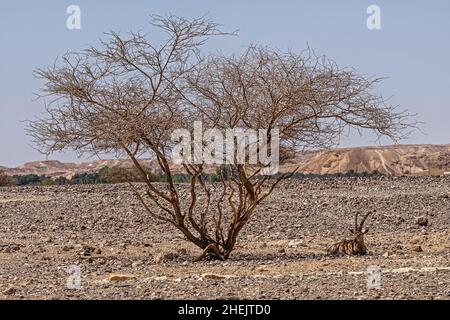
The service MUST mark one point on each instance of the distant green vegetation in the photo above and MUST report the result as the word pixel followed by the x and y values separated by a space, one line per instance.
pixel 104 175
pixel 121 175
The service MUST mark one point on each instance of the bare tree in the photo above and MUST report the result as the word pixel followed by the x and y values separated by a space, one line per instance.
pixel 130 94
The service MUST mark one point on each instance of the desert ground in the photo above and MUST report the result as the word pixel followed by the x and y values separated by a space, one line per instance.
pixel 123 254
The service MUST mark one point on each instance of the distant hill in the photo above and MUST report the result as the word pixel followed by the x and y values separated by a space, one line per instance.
pixel 396 160
pixel 392 160
pixel 55 168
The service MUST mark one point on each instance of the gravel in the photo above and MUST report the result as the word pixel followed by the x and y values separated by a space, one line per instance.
pixel 101 230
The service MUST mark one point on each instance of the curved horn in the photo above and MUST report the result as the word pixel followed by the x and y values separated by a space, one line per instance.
pixel 356 220
pixel 363 220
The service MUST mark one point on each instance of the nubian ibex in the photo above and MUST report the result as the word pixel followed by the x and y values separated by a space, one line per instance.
pixel 354 246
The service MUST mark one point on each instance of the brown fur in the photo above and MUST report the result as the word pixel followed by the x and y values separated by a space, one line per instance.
pixel 349 247
pixel 353 246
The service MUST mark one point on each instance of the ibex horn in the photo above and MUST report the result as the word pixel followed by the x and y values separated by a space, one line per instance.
pixel 363 220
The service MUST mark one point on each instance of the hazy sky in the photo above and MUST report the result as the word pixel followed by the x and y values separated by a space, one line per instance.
pixel 412 49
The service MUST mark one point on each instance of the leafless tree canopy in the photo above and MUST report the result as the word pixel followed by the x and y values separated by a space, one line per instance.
pixel 308 97
pixel 129 94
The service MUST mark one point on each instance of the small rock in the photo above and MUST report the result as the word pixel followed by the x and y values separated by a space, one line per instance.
pixel 165 257
pixel 422 220
pixel 386 254
pixel 9 291
pixel 214 276
pixel 418 249
pixel 295 243
pixel 47 240
pixel 120 277
pixel 67 248
pixel 86 250
pixel 9 248
pixel 159 258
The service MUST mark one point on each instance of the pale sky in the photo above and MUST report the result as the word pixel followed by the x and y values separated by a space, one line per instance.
pixel 412 49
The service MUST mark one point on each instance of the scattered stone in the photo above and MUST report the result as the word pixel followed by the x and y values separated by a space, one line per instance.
pixel 418 249
pixel 165 257
pixel 136 264
pixel 159 258
pixel 422 221
pixel 259 274
pixel 89 250
pixel 295 243
pixel 67 248
pixel 120 277
pixel 47 240
pixel 214 276
pixel 86 251
pixel 9 247
pixel 9 291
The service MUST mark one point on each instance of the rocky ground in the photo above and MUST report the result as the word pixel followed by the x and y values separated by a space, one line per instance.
pixel 48 233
